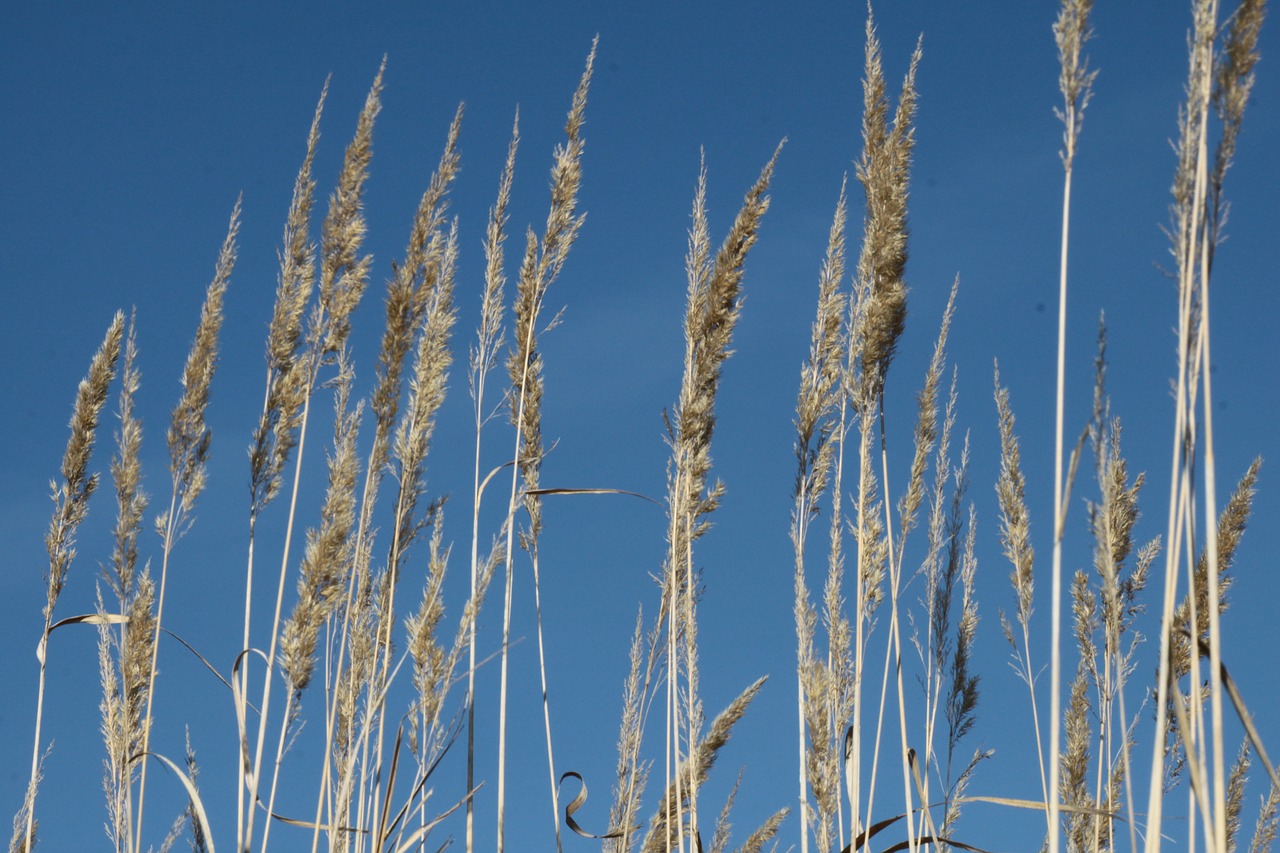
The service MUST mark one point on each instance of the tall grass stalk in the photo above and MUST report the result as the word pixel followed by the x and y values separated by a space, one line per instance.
pixel 189 440
pixel 418 308
pixel 484 357
pixel 431 262
pixel 883 170
pixel 274 437
pixel 714 307
pixel 816 427
pixel 71 505
pixel 343 275
pixel 543 260
pixel 124 658
pixel 1222 83
pixel 1075 81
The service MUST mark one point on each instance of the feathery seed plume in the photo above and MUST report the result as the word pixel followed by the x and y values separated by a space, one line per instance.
pixel 189 436
pixel 71 498
pixel 884 171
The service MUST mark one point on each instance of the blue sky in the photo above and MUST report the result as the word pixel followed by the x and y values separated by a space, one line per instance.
pixel 131 130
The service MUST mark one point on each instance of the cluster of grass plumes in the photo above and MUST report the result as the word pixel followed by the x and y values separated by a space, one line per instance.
pixel 899 556
pixel 344 618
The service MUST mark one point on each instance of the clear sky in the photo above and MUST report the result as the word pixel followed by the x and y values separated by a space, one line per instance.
pixel 130 130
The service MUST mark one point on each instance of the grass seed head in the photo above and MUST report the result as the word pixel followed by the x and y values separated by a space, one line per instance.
pixel 71 497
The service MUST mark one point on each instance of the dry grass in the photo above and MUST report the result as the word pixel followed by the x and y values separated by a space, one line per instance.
pixel 379 673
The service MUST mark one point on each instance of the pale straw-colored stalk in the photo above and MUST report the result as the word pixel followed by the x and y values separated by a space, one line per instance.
pixel 1075 81
pixel 124 658
pixel 411 291
pixel 1233 87
pixel 821 390
pixel 1183 205
pixel 188 439
pixel 543 260
pixel 1112 521
pixel 411 446
pixel 325 564
pixel 714 306
pixel 664 832
pixel 71 504
pixel 632 775
pixel 947 563
pixel 1193 236
pixel 343 276
pixel 884 171
pixel 1015 540
pixel 274 437
pixel 484 357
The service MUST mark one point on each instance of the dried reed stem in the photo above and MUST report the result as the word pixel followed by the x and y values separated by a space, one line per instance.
pixel 1197 219
pixel 343 276
pixel 664 828
pixel 714 305
pixel 189 438
pixel 543 261
pixel 274 437
pixel 1075 81
pixel 484 357
pixel 821 390
pixel 71 504
pixel 124 659
pixel 884 171
pixel 1015 539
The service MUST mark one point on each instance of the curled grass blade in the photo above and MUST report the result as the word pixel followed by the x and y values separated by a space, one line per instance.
pixel 193 794
pixel 578 802
pixel 82 619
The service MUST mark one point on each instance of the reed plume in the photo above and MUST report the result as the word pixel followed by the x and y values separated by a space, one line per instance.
pixel 878 320
pixel 345 624
pixel 274 437
pixel 665 830
pixel 70 506
pixel 714 306
pixel 1015 539
pixel 484 358
pixel 817 428
pixel 328 554
pixel 124 657
pixel 342 278
pixel 632 774
pixel 189 439
pixel 71 497
pixel 883 170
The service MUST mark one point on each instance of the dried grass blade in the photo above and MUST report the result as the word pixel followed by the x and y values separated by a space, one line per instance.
pixel 193 794
pixel 590 491
pixel 1246 718
pixel 209 666
pixel 391 784
pixel 1037 805
pixel 240 701
pixel 578 803
pixel 421 832
pixel 905 845
pixel 83 619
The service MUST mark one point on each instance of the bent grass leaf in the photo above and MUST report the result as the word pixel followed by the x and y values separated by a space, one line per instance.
pixel 578 802
pixel 193 794
pixel 83 619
